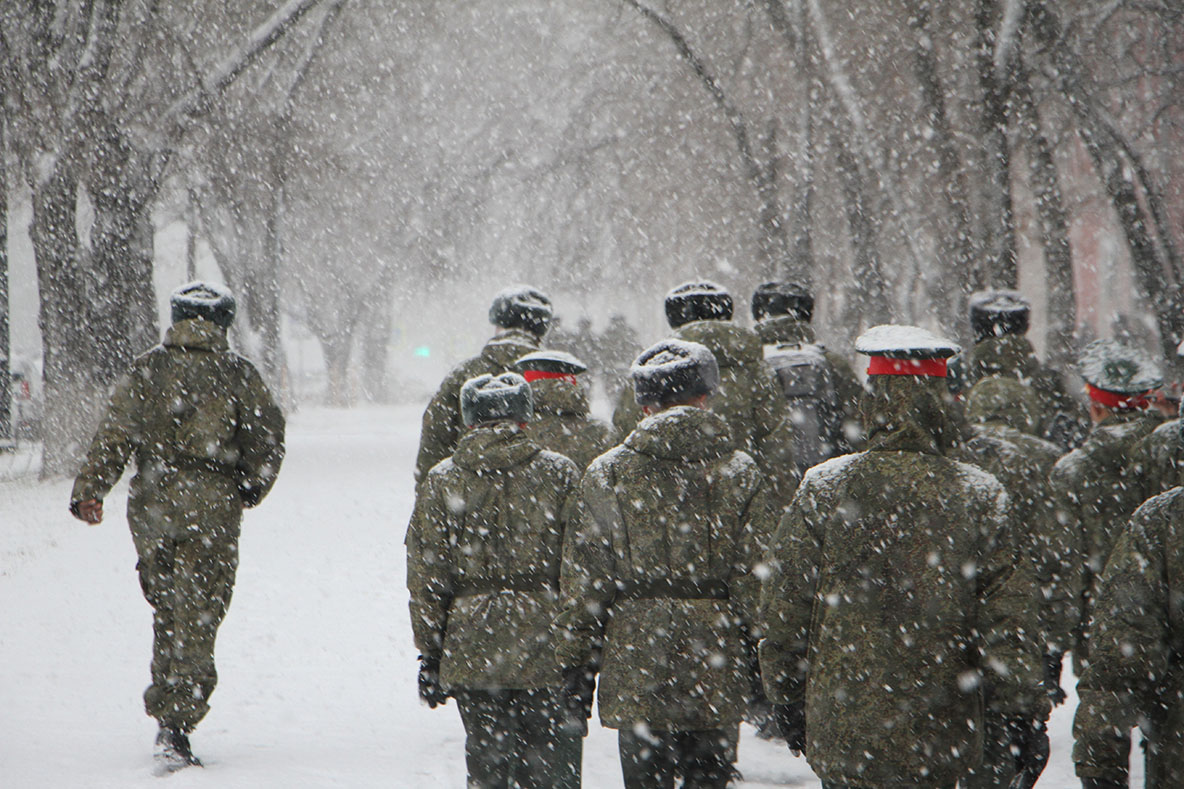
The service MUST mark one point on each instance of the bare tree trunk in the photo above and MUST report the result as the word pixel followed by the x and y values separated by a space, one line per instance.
pixel 337 349
pixel 1061 332
pixel 6 431
pixel 998 220
pixel 376 335
pixel 871 292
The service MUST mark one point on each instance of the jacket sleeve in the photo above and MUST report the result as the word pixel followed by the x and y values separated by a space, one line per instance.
pixel 772 439
pixel 112 444
pixel 1129 654
pixel 1011 650
pixel 1056 574
pixel 757 522
pixel 441 430
pixel 260 439
pixel 587 578
pixel 429 570
pixel 787 601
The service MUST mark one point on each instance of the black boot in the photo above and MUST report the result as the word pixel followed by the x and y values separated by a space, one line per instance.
pixel 172 750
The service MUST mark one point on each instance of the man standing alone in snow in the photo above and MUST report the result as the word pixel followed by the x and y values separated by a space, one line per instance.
pixel 208 441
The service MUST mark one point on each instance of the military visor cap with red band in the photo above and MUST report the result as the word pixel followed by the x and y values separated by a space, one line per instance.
pixel 1119 376
pixel 548 364
pixel 905 350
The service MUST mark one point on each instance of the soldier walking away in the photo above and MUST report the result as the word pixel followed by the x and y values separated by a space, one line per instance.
pixel 1092 488
pixel 483 554
pixel 1157 461
pixel 522 315
pixel 1002 414
pixel 562 422
pixel 999 320
pixel 1135 675
pixel 658 582
pixel 892 612
pixel 748 398
pixel 820 387
pixel 208 440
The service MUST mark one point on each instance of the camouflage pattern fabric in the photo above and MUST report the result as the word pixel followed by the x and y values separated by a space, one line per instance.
pixel 563 424
pixel 749 399
pixel 892 610
pixel 1094 495
pixel 483 554
pixel 1157 462
pixel 1063 419
pixel 442 424
pixel 1136 674
pixel 786 330
pixel 657 575
pixel 207 439
pixel 519 738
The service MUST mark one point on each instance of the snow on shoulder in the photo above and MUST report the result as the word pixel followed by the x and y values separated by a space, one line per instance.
pixel 904 342
pixel 825 472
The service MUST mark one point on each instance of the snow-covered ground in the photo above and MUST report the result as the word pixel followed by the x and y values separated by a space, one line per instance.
pixel 316 665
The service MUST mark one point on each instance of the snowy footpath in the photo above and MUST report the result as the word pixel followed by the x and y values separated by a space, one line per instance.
pixel 317 668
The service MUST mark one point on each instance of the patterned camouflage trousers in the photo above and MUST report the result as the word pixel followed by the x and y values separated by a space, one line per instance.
pixel 188 583
pixel 519 738
pixel 653 760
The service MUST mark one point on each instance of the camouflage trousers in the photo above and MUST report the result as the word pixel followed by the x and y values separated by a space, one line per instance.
pixel 652 760
pixel 519 738
pixel 188 583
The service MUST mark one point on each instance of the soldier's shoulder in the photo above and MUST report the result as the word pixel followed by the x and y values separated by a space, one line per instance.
pixel 1167 507
pixel 555 462
pixel 1070 466
pixel 977 481
pixel 829 473
pixel 441 471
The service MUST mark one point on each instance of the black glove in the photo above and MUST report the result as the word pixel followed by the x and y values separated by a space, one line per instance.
pixel 1052 677
pixel 579 685
pixel 1028 741
pixel 250 494
pixel 1102 783
pixel 791 720
pixel 429 682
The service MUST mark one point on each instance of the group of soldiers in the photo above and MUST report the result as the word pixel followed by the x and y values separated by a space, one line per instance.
pixel 890 573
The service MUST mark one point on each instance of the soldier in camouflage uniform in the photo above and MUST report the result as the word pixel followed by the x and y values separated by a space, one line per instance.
pixel 561 420
pixel 658 577
pixel 522 315
pixel 749 398
pixel 1093 492
pixel 783 311
pixel 999 319
pixel 1136 668
pixel 1157 462
pixel 1002 414
pixel 892 612
pixel 208 440
pixel 483 555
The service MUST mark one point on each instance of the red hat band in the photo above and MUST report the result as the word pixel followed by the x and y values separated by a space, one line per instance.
pixel 1120 402
pixel 534 375
pixel 883 365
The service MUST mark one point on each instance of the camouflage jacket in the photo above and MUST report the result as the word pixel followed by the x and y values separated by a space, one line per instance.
pixel 205 433
pixel 785 330
pixel 1022 462
pixel 749 399
pixel 1157 462
pixel 442 425
pixel 1094 495
pixel 658 574
pixel 562 423
pixel 483 553
pixel 892 606
pixel 1136 668
pixel 1063 419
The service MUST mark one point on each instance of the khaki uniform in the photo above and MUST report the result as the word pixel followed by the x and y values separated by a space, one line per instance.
pixel 1093 494
pixel 893 604
pixel 207 438
pixel 658 582
pixel 562 422
pixel 1136 670
pixel 1156 463
pixel 442 425
pixel 483 556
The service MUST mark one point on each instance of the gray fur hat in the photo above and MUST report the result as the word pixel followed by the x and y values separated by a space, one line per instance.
pixel 674 370
pixel 205 300
pixel 522 307
pixel 494 398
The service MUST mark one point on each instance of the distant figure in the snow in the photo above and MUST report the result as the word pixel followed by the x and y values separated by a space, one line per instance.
pixel 208 439
pixel 658 585
pixel 619 346
pixel 483 555
pixel 748 397
pixel 561 420
pixel 1094 493
pixel 1136 666
pixel 522 315
pixel 999 320
pixel 821 389
pixel 1000 439
pixel 893 612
